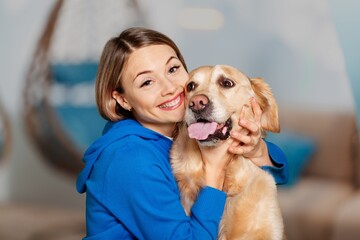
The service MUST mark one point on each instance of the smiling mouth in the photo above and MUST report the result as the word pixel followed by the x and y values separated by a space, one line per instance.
pixel 173 104
pixel 204 130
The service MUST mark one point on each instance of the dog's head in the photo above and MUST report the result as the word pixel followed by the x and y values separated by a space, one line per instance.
pixel 215 98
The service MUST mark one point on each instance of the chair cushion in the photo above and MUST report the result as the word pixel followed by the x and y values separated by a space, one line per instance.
pixel 298 150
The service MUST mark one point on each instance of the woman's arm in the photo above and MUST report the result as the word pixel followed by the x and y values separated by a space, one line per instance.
pixel 279 165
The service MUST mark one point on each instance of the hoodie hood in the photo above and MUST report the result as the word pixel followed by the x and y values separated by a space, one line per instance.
pixel 113 131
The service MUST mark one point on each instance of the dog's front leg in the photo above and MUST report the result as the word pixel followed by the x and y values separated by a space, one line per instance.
pixel 252 210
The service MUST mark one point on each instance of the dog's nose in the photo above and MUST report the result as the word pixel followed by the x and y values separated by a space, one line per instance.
pixel 199 103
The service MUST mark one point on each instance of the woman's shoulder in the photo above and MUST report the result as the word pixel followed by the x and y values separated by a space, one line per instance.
pixel 133 150
pixel 122 159
pixel 135 159
pixel 129 145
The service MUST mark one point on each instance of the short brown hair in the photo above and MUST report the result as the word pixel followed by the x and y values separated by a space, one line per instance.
pixel 112 61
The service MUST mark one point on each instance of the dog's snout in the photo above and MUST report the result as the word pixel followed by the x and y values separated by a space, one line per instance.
pixel 199 103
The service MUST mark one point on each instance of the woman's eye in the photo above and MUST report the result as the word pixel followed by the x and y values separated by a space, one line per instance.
pixel 146 83
pixel 173 69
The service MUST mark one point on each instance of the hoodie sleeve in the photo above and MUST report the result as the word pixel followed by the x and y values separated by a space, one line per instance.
pixel 280 170
pixel 141 192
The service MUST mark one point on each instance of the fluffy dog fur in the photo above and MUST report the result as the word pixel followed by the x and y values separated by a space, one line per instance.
pixel 218 94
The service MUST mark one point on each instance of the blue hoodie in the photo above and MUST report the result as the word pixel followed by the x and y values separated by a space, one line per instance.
pixel 131 192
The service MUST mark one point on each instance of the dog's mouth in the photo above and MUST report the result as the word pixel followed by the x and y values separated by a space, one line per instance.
pixel 204 130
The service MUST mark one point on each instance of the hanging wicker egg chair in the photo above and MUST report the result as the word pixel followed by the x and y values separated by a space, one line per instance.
pixel 60 111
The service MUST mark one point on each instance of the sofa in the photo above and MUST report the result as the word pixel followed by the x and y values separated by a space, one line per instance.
pixel 322 200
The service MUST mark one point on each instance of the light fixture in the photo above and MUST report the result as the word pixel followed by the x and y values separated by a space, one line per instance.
pixel 200 19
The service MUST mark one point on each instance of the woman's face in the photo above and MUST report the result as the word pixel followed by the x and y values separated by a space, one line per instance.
pixel 153 82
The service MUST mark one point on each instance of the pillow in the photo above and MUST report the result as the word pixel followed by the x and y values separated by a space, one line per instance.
pixel 297 148
pixel 71 74
pixel 76 109
pixel 82 124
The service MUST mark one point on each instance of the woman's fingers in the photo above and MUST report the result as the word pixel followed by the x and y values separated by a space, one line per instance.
pixel 249 134
pixel 240 149
pixel 241 138
pixel 256 109
pixel 252 127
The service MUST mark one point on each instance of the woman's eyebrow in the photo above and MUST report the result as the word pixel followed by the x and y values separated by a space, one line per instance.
pixel 149 71
pixel 170 58
pixel 143 72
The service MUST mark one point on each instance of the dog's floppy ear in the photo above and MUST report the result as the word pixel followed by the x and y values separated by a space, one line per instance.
pixel 268 105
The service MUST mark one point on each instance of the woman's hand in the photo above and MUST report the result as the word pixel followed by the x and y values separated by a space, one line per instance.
pixel 248 141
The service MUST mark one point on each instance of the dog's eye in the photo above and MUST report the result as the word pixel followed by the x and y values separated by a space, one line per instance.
pixel 191 86
pixel 226 83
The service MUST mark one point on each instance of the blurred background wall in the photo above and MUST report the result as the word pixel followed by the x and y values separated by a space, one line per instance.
pixel 294 45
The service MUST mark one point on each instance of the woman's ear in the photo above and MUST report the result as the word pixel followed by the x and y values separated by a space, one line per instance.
pixel 120 99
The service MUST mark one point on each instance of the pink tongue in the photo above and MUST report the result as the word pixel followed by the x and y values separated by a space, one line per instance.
pixel 201 130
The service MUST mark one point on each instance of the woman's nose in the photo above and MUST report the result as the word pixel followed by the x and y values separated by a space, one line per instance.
pixel 169 86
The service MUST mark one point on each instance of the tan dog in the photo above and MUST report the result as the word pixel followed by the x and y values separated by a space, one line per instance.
pixel 215 98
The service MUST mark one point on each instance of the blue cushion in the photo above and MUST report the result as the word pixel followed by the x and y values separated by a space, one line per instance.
pixel 82 124
pixel 71 74
pixel 298 150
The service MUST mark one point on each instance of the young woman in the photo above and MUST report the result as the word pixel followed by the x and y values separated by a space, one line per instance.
pixel 130 190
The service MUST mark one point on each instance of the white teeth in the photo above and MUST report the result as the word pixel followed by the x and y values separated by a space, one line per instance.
pixel 171 104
